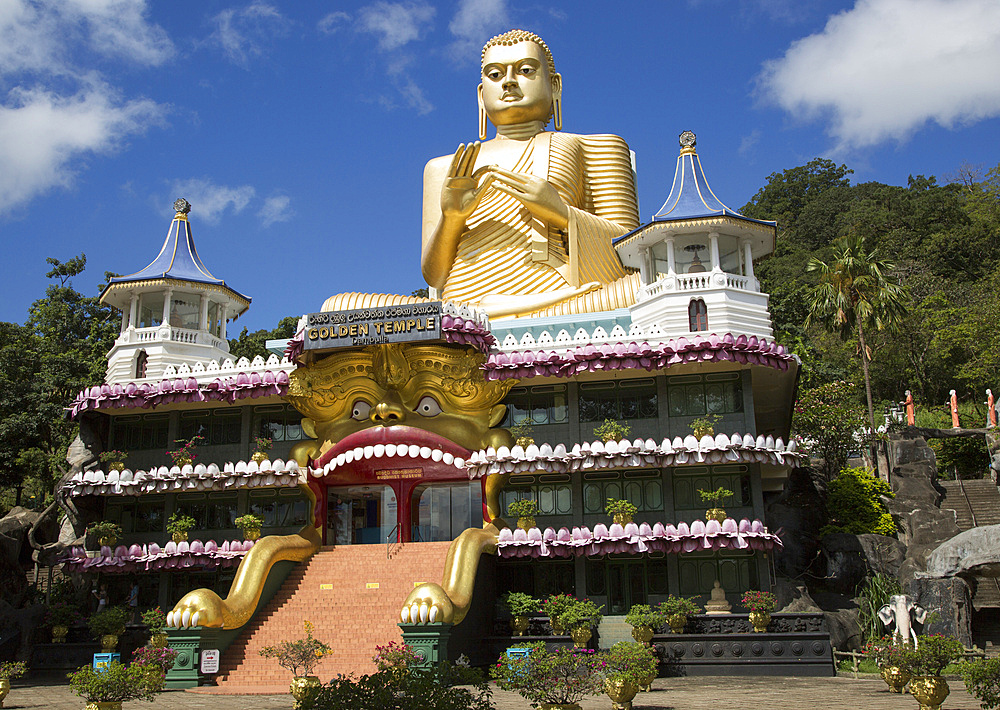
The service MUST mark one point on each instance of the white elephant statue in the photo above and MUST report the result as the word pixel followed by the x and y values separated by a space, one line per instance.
pixel 897 614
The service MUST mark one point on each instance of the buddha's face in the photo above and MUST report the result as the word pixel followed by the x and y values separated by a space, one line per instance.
pixel 517 86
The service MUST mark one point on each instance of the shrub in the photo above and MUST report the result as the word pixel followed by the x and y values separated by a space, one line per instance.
pixel 931 655
pixel 111 621
pixel 827 417
pixel 884 652
pixel 12 669
pixel 963 457
pixel 645 615
pixel 874 594
pixel 422 688
pixel 854 504
pixel 113 455
pixel 679 605
pixel 556 604
pixel 301 655
pixel 160 659
pixel 249 522
pixel 982 680
pixel 115 683
pixel 563 675
pixel 262 443
pixel 612 430
pixel 630 662
pixel 394 656
pixel 523 508
pixel 759 601
pixel 582 612
pixel 715 497
pixel 617 506
pixel 520 604
pixel 104 528
pixel 154 619
pixel 703 424
pixel 61 614
pixel 178 523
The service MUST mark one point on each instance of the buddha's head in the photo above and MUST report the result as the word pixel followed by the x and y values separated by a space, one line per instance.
pixel 519 80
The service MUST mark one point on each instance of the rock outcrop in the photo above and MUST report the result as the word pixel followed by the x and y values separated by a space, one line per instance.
pixel 973 552
pixel 799 512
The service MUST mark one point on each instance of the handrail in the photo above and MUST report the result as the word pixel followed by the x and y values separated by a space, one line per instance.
pixel 388 540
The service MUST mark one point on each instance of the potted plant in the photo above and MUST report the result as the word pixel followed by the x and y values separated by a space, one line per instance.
pixel 982 680
pixel 760 604
pixel 155 619
pixel 521 431
pixel 107 626
pixel 620 510
pixel 520 606
pixel 887 655
pixel 554 606
pixel 676 610
pixel 107 688
pixel 59 617
pixel 250 524
pixel 105 532
pixel 185 456
pixel 715 499
pixel 924 662
pixel 156 659
pixel 8 671
pixel 550 679
pixel 644 621
pixel 628 667
pixel 612 430
pixel 395 659
pixel 300 658
pixel 525 510
pixel 178 526
pixel 262 445
pixel 580 619
pixel 704 426
pixel 114 458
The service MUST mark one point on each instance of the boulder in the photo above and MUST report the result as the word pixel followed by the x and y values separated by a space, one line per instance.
pixel 845 631
pixel 949 602
pixel 797 511
pixel 973 552
pixel 847 559
pixel 792 597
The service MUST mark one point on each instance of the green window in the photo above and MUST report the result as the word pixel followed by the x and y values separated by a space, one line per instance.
pixel 697 395
pixel 544 404
pixel 623 400
pixel 282 423
pixel 553 494
pixel 219 427
pixel 637 487
pixel 144 432
pixel 697 574
pixel 688 481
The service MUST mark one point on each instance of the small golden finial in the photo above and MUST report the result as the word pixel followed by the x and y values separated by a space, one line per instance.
pixel 181 207
pixel 687 141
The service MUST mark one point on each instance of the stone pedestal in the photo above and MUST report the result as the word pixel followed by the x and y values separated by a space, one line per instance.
pixel 188 643
pixel 427 640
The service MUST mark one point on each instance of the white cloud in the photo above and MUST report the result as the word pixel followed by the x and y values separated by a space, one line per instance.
pixel 208 200
pixel 43 136
pixel 885 68
pixel 275 209
pixel 332 22
pixel 244 33
pixel 396 24
pixel 474 23
pixel 119 27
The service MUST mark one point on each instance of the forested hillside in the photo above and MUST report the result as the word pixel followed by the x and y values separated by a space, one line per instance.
pixel 944 243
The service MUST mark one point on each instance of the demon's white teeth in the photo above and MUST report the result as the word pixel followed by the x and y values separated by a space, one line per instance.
pixel 349 456
pixel 403 450
pixel 448 458
pixel 425 452
pixel 414 451
pixel 459 463
pixel 390 449
pixel 340 459
pixel 436 455
pixel 369 451
pixel 359 453
pixel 379 450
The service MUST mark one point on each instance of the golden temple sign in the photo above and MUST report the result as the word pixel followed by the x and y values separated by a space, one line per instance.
pixel 373 326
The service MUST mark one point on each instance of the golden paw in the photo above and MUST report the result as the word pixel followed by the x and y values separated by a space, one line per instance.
pixel 202 607
pixel 427 604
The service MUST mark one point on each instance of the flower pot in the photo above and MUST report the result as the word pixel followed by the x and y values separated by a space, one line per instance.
pixel 621 693
pixel 760 620
pixel 107 541
pixel 179 536
pixel 304 688
pixel 108 642
pixel 642 633
pixel 929 690
pixel 116 466
pixel 4 689
pixel 524 441
pixel 259 457
pixel 183 461
pixel 715 514
pixel 158 640
pixel 580 635
pixel 557 628
pixel 59 634
pixel 251 534
pixel 621 518
pixel 677 622
pixel 703 431
pixel 895 677
pixel 646 682
pixel 519 624
pixel 526 522
pixel 559 706
pixel 109 705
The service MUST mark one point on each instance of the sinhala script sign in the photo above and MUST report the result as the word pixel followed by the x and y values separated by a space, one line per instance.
pixel 373 326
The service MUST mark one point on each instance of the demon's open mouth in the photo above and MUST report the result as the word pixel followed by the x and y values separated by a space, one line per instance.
pixel 392 447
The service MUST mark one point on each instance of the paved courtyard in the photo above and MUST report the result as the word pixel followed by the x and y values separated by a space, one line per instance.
pixel 780 693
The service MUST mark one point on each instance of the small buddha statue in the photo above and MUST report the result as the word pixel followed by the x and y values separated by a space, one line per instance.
pixel 718 604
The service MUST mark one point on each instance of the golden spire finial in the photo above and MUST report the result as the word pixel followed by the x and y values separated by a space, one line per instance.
pixel 687 141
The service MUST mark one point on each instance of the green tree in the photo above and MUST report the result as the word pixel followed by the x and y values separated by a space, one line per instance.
pixel 855 293
pixel 825 418
pixel 250 345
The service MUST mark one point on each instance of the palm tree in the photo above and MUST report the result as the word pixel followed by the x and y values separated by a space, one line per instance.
pixel 855 294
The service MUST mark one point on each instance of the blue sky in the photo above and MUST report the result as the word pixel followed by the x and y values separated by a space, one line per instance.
pixel 299 131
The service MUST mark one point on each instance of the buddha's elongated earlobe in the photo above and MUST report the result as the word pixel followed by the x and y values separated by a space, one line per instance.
pixel 482 115
pixel 557 101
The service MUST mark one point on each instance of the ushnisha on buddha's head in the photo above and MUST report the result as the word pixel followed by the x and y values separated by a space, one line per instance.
pixel 519 82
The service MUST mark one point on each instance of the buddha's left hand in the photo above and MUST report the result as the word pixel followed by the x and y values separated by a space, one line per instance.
pixel 535 193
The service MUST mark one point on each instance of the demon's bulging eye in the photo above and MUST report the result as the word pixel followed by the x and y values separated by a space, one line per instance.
pixel 428 406
pixel 361 410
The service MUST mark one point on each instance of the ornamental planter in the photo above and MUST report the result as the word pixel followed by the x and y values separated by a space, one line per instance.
pixel 116 466
pixel 183 461
pixel 107 541
pixel 703 431
pixel 621 693
pixel 179 536
pixel 895 677
pixel 559 706
pixel 524 441
pixel 59 634
pixel 557 628
pixel 646 682
pixel 929 690
pixel 4 689
pixel 717 514
pixel 642 634
pixel 258 457
pixel 304 688
pixel 109 642
pixel 760 620
pixel 519 624
pixel 526 522
pixel 110 705
pixel 158 640
pixel 622 519
pixel 580 635
pixel 251 534
pixel 677 622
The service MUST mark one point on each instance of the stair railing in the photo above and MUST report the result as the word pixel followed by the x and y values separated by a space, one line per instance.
pixel 392 541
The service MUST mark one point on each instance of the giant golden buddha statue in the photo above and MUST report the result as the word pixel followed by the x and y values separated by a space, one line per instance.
pixel 523 223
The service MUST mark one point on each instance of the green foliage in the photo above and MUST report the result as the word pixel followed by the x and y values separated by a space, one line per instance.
pixel 12 669
pixel 113 455
pixel 521 428
pixel 563 675
pixel 388 690
pixel 612 430
pixel 679 605
pixel 759 601
pixel 556 604
pixel 982 680
pixel 299 656
pixel 160 660
pixel 116 683
pixel 964 457
pixel 186 450
pixel 394 656
pixel 154 619
pixel 250 345
pixel 249 521
pixel 520 604
pixel 178 523
pixel 630 662
pixel 715 497
pixel 523 508
pixel 884 652
pixel 854 505
pixel 104 528
pixel 617 506
pixel 826 419
pixel 645 615
pixel 931 655
pixel 581 613
pixel 111 621
pixel 61 614
pixel 703 424
pixel 262 443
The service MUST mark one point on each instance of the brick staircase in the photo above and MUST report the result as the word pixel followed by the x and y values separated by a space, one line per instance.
pixel 976 503
pixel 352 594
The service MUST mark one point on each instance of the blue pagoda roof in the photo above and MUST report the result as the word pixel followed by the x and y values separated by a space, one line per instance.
pixel 178 258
